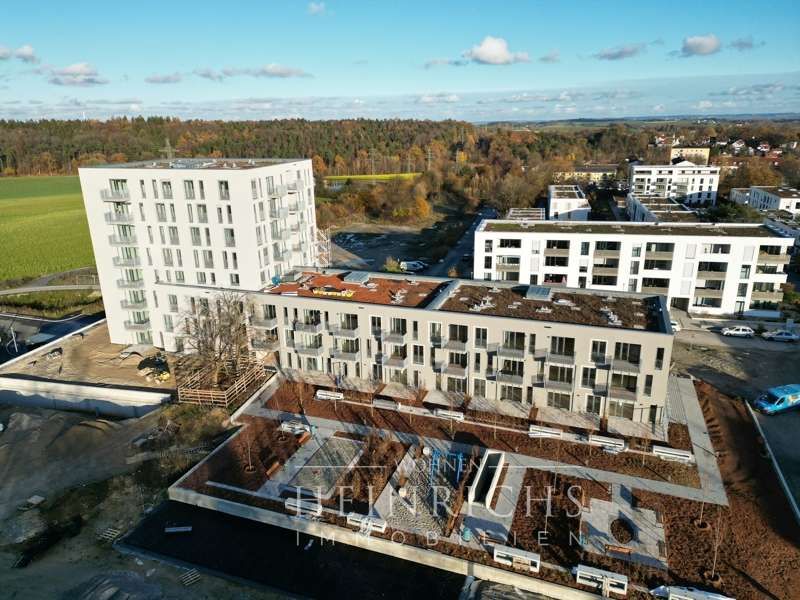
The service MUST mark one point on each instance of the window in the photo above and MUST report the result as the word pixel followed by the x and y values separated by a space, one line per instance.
pixel 648 385
pixel 624 382
pixel 593 404
pixel 224 191
pixel 620 408
pixel 230 239
pixel 195 233
pixel 436 333
pixel 744 273
pixel 188 190
pixel 161 212
pixel 558 400
pixel 627 352
pixel 487 262
pixel 477 362
pixel 510 243
pixel 556 261
pixel 479 388
pixel 166 189
pixel 168 326
pixel 202 213
pixel 480 337
pixel 584 248
pixel 208 259
pixel 659 358
pixel 560 374
pixel 419 355
pixel 589 377
pixel 562 346
pixel 511 393
pixel 487 246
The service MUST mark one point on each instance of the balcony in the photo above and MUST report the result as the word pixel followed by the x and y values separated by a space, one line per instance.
pixel 622 393
pixel 436 341
pixel 340 354
pixel 269 344
pixel 456 345
pixel 652 289
pixel 344 332
pixel 278 213
pixel 509 377
pixel 125 284
pixel 767 295
pixel 133 305
pixel 455 370
pixel 597 389
pixel 712 275
pixel 264 323
pixel 137 325
pixel 659 254
pixel 118 217
pixel 708 293
pixel 561 386
pixel 508 351
pixel 395 337
pixel 281 255
pixel 601 270
pixel 625 366
pixel 115 195
pixel 561 359
pixel 606 253
pixel 283 235
pixel 122 240
pixel 126 261
pixel 556 251
pixel 773 259
pixel 308 350
pixel 507 267
pixel 395 361
pixel 308 327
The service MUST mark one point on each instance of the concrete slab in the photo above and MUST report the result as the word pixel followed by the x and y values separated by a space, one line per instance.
pixel 444 399
pixel 503 407
pixel 327 465
pixel 397 390
pixel 567 418
pixel 635 429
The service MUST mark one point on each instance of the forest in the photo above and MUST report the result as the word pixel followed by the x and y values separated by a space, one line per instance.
pixel 463 164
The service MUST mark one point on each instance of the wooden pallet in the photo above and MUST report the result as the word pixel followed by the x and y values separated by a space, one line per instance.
pixel 110 535
pixel 190 577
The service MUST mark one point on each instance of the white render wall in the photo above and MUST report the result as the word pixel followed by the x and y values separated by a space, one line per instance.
pixel 272 231
pixel 684 282
pixel 561 208
pixel 697 184
pixel 767 199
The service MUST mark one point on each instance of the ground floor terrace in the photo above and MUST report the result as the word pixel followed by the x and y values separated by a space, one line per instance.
pixel 470 494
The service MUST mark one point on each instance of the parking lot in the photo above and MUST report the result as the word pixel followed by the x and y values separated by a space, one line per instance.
pixel 780 432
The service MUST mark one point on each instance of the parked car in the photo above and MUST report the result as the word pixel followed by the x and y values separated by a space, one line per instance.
pixel 778 399
pixel 738 331
pixel 413 265
pixel 676 327
pixel 780 335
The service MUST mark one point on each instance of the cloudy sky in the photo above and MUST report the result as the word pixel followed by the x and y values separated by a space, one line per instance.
pixel 472 60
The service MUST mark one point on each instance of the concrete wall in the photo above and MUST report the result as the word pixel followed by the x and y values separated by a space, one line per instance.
pixel 109 401
pixel 419 555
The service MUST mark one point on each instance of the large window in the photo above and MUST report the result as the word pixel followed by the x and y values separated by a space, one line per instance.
pixel 620 408
pixel 628 352
pixel 511 393
pixel 479 388
pixel 506 243
pixel 480 337
pixel 562 346
pixel 560 374
pixel 594 404
pixel 558 400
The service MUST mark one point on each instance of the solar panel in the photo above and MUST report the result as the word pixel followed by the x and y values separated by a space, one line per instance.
pixel 539 292
pixel 360 277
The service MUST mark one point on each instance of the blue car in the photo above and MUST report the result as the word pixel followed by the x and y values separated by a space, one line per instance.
pixel 778 399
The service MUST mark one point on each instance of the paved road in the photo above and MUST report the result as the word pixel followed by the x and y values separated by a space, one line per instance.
pixel 464 246
pixel 47 288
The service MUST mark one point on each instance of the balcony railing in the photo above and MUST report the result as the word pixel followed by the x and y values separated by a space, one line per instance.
pixel 118 217
pixel 263 323
pixel 395 361
pixel 133 305
pixel 509 377
pixel 767 257
pixel 137 325
pixel 309 327
pixel 455 370
pixel 506 267
pixel 122 240
pixel 278 213
pixel 561 359
pixel 562 386
pixel 712 275
pixel 308 350
pixel 625 366
pixel 395 337
pixel 603 270
pixel 126 284
pixel 652 289
pixel 767 295
pixel 600 360
pixel 556 251
pixel 344 332
pixel 264 344
pixel 622 393
pixel 115 195
pixel 708 292
pixel 125 261
pixel 505 351
pixel 455 345
pixel 340 354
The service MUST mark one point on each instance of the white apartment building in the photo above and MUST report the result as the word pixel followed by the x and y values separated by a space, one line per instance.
pixel 567 203
pixel 654 209
pixel 772 198
pixel 718 269
pixel 167 232
pixel 558 349
pixel 691 183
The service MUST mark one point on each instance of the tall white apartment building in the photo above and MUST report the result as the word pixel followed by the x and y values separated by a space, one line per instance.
pixel 567 203
pixel 691 183
pixel 166 233
pixel 718 269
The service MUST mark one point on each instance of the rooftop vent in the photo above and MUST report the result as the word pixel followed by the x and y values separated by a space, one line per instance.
pixel 539 293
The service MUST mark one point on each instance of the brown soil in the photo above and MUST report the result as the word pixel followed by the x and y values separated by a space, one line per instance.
pixel 467 433
pixel 230 465
pixel 497 490
pixel 678 436
pixel 622 531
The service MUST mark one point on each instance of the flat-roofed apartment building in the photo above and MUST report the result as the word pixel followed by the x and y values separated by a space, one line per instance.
pixel 588 173
pixel 166 232
pixel 771 198
pixel 717 269
pixel 567 203
pixel 691 183
pixel 568 349
pixel 655 209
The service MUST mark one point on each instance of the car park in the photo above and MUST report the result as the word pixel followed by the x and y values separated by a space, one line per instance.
pixel 676 327
pixel 738 331
pixel 778 399
pixel 780 335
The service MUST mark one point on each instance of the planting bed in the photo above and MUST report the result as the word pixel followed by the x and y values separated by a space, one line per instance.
pixel 678 436
pixel 468 433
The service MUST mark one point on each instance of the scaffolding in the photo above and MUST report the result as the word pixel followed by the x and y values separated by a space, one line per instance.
pixel 322 245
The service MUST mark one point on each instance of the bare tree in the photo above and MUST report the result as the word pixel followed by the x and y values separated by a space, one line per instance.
pixel 216 332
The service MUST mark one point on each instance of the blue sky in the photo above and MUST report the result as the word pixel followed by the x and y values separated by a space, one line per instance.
pixel 471 60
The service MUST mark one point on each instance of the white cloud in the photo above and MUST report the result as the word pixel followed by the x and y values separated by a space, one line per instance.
pixel 621 52
pixel 658 108
pixel 494 51
pixel 700 45
pixel 5 53
pixel 78 74
pixel 211 74
pixel 704 105
pixel 744 44
pixel 316 8
pixel 168 78
pixel 24 53
pixel 551 57
pixel 439 98
pixel 271 70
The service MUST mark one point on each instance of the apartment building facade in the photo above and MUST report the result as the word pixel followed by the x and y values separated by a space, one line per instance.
pixel 567 203
pixel 522 344
pixel 166 232
pixel 717 269
pixel 768 198
pixel 691 183
pixel 654 209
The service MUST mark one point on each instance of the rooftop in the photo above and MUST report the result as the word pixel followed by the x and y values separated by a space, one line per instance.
pixel 781 192
pixel 364 287
pixel 565 191
pixel 628 228
pixel 594 168
pixel 599 309
pixel 227 164
pixel 539 303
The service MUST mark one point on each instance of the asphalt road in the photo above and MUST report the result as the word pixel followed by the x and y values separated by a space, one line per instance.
pixel 781 433
pixel 464 246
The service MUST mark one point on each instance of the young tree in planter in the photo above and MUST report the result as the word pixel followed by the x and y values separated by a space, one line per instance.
pixel 216 332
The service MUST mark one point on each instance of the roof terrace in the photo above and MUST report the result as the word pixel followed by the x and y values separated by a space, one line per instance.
pixel 226 164
pixel 628 228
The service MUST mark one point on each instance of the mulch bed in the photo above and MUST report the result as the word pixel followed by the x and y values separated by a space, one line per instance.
pixel 230 465
pixel 497 490
pixel 467 433
pixel 678 436
pixel 622 531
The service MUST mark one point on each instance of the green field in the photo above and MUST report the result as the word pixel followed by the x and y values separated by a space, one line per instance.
pixel 43 227
pixel 378 177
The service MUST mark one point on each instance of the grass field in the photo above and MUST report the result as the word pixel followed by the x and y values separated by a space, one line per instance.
pixel 377 177
pixel 43 227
